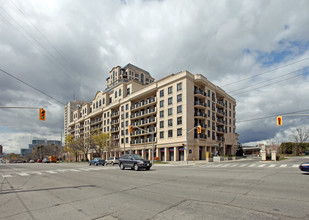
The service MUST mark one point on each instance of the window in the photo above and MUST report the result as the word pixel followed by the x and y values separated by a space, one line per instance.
pixel 170 111
pixel 162 114
pixel 179 98
pixel 127 114
pixel 179 120
pixel 122 108
pixel 100 103
pixel 93 106
pixel 170 122
pixel 170 90
pixel 136 75
pixel 119 92
pixel 161 124
pixel 170 133
pixel 107 114
pixel 115 94
pixel 179 132
pixel 179 86
pixel 127 123
pixel 162 93
pixel 127 106
pixel 170 101
pixel 179 109
pixel 103 101
pixel 162 134
pixel 128 91
pixel 161 103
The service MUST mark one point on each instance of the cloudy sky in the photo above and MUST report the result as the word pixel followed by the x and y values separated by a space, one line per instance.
pixel 53 51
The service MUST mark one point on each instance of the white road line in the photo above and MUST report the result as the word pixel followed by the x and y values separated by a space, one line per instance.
pixel 272 165
pixel 252 165
pixel 262 165
pixel 38 173
pixel 283 165
pixel 243 165
pixel 219 165
pixel 6 175
pixel 295 165
pixel 23 174
pixel 226 165
pixel 74 170
pixel 50 171
pixel 61 170
pixel 234 165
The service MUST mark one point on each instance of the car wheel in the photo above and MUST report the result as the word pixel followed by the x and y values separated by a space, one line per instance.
pixel 136 168
pixel 112 163
pixel 89 164
pixel 96 164
pixel 121 166
pixel 147 168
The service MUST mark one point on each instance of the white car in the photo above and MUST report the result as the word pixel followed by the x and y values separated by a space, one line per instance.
pixel 112 160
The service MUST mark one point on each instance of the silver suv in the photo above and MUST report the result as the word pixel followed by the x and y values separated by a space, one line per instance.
pixel 112 160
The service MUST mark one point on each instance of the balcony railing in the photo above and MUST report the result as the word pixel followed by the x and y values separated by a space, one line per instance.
pixel 202 114
pixel 199 92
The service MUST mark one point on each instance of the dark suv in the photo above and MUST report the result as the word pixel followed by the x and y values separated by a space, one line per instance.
pixel 134 161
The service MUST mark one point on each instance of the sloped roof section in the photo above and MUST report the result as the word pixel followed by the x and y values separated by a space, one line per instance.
pixel 129 65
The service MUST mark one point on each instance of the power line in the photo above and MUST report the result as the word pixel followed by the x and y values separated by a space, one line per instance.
pixel 272 83
pixel 306 58
pixel 31 86
pixel 271 116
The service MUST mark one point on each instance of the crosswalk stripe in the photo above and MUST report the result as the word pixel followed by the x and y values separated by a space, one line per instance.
pixel 6 175
pixel 262 165
pixel 272 165
pixel 50 171
pixel 283 165
pixel 252 165
pixel 234 165
pixel 243 165
pixel 295 165
pixel 23 174
pixel 226 165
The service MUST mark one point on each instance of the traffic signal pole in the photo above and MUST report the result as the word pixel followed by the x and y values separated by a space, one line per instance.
pixel 279 118
pixel 41 113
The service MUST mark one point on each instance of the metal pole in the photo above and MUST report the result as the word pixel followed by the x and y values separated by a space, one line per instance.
pixel 187 145
pixel 152 147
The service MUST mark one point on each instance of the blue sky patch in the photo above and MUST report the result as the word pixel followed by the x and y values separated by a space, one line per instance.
pixel 284 50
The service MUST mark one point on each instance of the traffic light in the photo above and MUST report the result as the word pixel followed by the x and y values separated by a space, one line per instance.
pixel 199 129
pixel 130 129
pixel 279 120
pixel 42 114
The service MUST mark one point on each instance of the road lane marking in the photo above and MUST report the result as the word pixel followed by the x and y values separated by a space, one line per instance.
pixel 226 165
pixel 295 165
pixel 50 171
pixel 272 165
pixel 243 165
pixel 234 165
pixel 6 175
pixel 262 165
pixel 283 165
pixel 252 165
pixel 23 174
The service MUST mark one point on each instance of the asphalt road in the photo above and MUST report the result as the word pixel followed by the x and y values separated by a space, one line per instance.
pixel 227 190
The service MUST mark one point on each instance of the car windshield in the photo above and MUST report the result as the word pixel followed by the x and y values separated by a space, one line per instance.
pixel 137 157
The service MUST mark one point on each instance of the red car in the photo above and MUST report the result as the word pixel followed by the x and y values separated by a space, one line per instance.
pixel 39 161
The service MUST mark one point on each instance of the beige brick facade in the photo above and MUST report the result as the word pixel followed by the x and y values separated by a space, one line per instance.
pixel 170 107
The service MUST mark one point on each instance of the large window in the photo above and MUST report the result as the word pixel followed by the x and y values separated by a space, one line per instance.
pixel 170 133
pixel 170 111
pixel 161 124
pixel 179 120
pixel 162 114
pixel 170 90
pixel 179 86
pixel 179 132
pixel 161 103
pixel 162 134
pixel 179 109
pixel 170 122
pixel 179 98
pixel 162 93
pixel 170 101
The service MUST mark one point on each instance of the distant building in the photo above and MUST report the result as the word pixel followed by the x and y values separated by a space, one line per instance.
pixel 1 149
pixel 251 150
pixel 38 142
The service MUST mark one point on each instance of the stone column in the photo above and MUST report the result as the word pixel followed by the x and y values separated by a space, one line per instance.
pixel 263 154
pixel 274 155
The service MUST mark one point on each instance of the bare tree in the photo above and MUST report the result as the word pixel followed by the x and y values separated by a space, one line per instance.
pixel 300 135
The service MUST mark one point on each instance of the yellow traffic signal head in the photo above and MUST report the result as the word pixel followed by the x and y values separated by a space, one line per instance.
pixel 130 129
pixel 199 129
pixel 279 120
pixel 42 114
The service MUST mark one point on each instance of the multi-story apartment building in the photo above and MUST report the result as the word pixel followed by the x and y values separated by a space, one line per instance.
pixel 170 109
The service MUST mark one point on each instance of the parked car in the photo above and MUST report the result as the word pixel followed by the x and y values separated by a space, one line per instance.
pixel 134 161
pixel 39 161
pixel 304 167
pixel 31 161
pixel 97 161
pixel 112 160
pixel 46 160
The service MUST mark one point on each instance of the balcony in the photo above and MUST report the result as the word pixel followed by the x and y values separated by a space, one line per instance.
pixel 144 113
pixel 220 130
pixel 220 111
pixel 203 125
pixel 220 121
pixel 200 104
pixel 200 114
pixel 115 114
pixel 200 136
pixel 115 122
pixel 199 92
pixel 220 103
pixel 149 101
